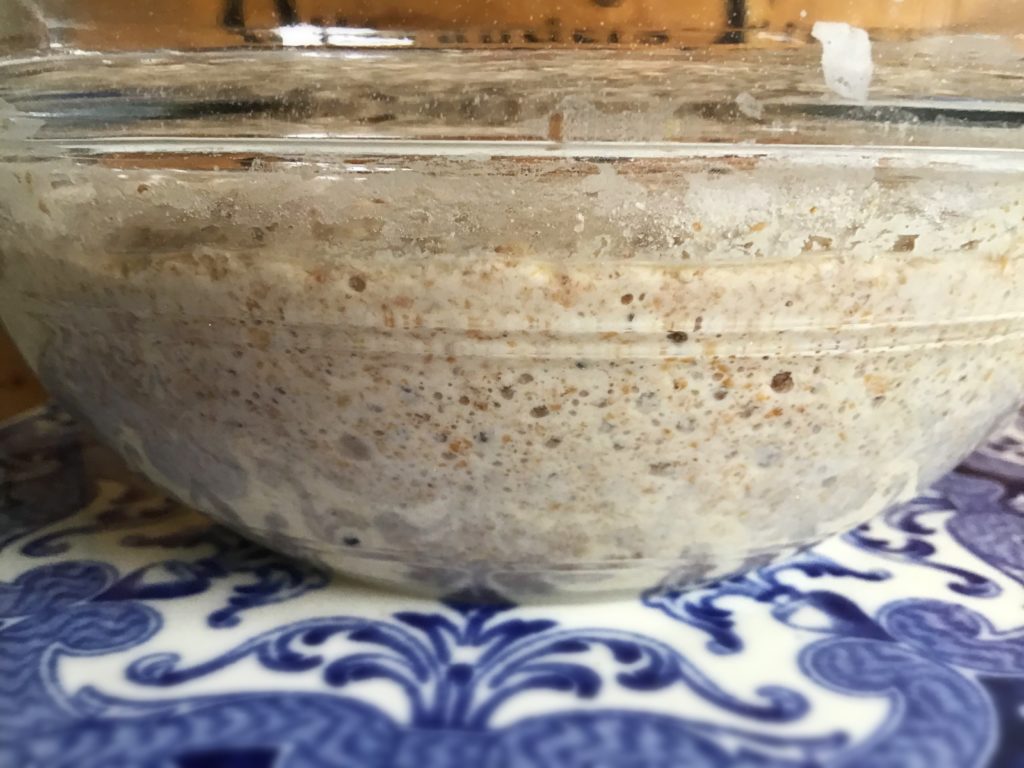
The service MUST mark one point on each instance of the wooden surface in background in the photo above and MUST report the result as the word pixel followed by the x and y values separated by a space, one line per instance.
pixel 131 24
pixel 19 389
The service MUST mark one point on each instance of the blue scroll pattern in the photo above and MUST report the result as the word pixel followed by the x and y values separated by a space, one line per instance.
pixel 496 685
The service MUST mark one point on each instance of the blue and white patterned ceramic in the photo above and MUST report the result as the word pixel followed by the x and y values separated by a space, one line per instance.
pixel 135 633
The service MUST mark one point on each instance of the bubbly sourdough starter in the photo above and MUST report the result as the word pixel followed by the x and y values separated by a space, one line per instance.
pixel 548 371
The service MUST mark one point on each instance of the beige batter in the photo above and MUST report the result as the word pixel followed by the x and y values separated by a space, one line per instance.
pixel 519 367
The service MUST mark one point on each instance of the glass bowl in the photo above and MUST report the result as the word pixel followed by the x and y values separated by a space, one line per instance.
pixel 507 303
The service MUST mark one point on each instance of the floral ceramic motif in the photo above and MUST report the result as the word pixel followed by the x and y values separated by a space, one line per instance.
pixel 135 632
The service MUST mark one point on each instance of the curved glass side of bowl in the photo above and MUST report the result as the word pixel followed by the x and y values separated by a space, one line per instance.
pixel 556 314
